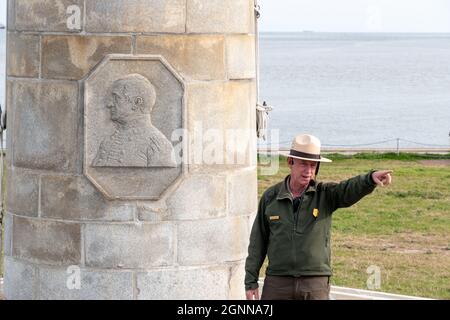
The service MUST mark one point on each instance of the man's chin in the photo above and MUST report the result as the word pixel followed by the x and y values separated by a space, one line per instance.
pixel 305 181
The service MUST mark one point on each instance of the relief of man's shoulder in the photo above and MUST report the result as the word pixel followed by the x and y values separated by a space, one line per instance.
pixel 160 152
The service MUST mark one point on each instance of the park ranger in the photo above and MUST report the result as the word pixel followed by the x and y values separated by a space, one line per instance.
pixel 292 226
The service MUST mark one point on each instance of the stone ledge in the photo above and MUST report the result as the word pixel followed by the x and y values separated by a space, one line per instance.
pixel 344 293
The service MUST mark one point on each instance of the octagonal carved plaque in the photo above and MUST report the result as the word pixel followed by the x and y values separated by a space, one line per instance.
pixel 133 120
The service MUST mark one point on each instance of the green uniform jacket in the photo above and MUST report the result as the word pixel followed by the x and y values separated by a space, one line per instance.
pixel 298 244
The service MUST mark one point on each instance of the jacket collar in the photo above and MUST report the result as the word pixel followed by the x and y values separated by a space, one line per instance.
pixel 284 193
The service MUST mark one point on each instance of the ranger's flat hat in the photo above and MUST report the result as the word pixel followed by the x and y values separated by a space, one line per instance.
pixel 306 147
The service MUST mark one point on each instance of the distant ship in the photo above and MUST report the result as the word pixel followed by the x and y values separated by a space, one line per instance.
pixel 2 26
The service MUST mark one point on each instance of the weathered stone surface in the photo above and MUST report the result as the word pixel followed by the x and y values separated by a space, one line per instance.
pixel 209 283
pixel 237 276
pixel 211 241
pixel 198 197
pixel 23 55
pixel 49 142
pixel 152 211
pixel 8 224
pixel 10 15
pixel 45 15
pixel 129 245
pixel 72 57
pixel 195 57
pixel 243 192
pixel 9 123
pixel 228 102
pixel 231 16
pixel 136 16
pixel 20 280
pixel 135 156
pixel 22 197
pixel 48 111
pixel 58 284
pixel 75 198
pixel 238 46
pixel 221 112
pixel 46 241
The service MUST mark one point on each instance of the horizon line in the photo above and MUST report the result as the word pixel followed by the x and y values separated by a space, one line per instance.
pixel 312 31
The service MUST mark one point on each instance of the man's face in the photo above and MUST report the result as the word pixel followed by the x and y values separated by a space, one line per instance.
pixel 302 171
pixel 120 107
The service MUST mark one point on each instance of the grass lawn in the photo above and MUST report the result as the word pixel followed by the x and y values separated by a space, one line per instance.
pixel 403 229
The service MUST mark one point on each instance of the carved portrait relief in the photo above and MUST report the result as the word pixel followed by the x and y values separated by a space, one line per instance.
pixel 135 141
pixel 134 126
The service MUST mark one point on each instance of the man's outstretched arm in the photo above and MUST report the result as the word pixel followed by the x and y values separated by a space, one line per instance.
pixel 348 192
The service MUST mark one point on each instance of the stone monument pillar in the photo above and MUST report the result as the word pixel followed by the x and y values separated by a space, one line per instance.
pixel 131 154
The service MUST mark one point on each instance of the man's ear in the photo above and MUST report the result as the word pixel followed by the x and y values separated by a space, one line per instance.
pixel 290 161
pixel 138 103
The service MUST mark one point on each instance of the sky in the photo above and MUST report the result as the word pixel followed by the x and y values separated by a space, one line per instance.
pixel 355 15
pixel 347 15
pixel 3 12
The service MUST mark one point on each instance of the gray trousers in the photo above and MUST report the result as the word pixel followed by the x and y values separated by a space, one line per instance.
pixel 296 288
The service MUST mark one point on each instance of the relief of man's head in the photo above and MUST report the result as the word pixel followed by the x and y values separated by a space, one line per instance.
pixel 131 97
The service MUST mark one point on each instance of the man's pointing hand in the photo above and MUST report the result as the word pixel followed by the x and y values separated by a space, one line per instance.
pixel 382 178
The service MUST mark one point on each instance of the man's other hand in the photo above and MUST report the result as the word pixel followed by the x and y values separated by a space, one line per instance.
pixel 252 294
pixel 382 178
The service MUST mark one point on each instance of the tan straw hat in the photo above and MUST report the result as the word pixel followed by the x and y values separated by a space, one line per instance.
pixel 306 147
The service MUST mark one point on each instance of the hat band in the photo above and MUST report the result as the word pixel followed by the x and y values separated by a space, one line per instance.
pixel 304 154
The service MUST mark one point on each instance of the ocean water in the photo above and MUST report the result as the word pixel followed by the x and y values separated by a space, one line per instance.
pixel 358 89
pixel 352 90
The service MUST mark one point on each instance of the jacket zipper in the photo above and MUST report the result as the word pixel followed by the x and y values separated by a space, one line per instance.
pixel 296 214
pixel 293 238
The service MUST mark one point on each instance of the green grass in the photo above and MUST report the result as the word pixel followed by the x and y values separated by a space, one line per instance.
pixel 404 229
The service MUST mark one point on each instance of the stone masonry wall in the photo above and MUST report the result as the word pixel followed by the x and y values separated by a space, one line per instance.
pixel 192 243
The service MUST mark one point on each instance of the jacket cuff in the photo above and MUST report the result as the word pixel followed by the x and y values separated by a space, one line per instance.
pixel 370 179
pixel 251 286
